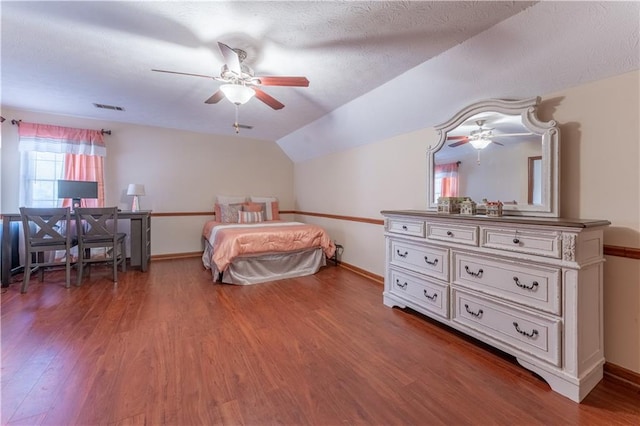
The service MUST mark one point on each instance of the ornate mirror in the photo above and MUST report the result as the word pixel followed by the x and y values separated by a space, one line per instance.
pixel 497 150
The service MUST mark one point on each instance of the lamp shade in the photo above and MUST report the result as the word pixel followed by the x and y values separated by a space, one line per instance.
pixel 237 93
pixel 135 189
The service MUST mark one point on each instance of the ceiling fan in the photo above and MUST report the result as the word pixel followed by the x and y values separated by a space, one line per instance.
pixel 481 137
pixel 240 82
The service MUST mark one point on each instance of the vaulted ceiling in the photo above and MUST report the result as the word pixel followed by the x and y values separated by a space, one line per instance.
pixel 397 64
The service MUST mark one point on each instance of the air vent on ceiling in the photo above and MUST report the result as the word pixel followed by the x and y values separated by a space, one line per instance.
pixel 113 107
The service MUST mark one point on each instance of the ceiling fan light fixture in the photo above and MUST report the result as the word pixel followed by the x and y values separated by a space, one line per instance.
pixel 480 143
pixel 237 93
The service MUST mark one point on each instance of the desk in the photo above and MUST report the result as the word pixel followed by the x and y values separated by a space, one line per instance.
pixel 140 237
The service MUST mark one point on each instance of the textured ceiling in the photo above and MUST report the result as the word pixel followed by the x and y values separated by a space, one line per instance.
pixel 62 57
pixel 375 68
pixel 549 47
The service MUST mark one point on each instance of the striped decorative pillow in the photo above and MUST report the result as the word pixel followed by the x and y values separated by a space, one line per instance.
pixel 249 217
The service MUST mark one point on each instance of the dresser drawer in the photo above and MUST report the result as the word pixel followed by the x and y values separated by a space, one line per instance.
pixel 528 284
pixel 431 261
pixel 406 227
pixel 461 234
pixel 538 243
pixel 532 334
pixel 429 295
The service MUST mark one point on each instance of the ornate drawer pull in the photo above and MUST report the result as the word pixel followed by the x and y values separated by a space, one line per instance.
pixel 474 274
pixel 449 233
pixel 434 297
pixel 475 314
pixel 526 287
pixel 404 227
pixel 400 254
pixel 402 286
pixel 524 333
pixel 516 241
pixel 434 263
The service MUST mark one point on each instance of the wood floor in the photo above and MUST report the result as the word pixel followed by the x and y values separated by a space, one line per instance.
pixel 170 347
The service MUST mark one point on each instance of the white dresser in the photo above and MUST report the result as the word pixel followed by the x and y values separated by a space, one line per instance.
pixel 531 287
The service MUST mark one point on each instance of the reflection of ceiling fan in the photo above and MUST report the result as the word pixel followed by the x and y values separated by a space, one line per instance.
pixel 481 137
pixel 240 83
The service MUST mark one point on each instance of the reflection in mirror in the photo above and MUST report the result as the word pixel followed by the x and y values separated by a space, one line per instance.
pixel 504 145
pixel 485 153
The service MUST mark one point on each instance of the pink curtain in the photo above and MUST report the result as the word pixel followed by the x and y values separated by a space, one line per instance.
pixel 86 168
pixel 448 176
pixel 63 140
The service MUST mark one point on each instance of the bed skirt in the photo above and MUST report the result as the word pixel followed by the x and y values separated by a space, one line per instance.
pixel 267 267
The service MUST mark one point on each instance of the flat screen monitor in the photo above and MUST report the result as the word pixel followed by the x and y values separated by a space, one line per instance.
pixel 76 190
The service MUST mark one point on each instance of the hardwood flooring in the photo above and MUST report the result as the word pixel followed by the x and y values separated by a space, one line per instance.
pixel 170 347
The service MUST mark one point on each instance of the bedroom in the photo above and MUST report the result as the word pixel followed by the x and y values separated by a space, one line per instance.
pixel 189 168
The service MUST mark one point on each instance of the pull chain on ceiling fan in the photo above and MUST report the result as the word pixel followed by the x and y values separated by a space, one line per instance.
pixel 237 125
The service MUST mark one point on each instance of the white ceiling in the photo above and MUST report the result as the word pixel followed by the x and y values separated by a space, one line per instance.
pixel 364 60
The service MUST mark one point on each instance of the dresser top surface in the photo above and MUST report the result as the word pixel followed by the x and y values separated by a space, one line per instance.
pixel 524 220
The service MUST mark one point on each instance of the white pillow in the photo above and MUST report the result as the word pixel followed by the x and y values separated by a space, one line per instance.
pixel 230 199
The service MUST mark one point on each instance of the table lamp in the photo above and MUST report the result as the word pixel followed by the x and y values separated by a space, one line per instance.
pixel 135 189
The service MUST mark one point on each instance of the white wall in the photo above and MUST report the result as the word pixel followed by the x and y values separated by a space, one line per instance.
pixel 182 172
pixel 600 158
pixel 600 165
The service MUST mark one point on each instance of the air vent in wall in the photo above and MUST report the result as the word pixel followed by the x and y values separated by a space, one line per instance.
pixel 113 107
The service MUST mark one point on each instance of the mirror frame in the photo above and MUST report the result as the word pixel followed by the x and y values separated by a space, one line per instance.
pixel 550 139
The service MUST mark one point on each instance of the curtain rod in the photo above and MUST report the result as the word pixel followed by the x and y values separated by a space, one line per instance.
pixel 103 131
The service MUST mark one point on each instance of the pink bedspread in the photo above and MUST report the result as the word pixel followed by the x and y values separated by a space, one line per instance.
pixel 232 240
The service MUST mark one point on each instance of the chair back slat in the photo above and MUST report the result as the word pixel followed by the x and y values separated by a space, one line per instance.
pixel 46 225
pixel 98 221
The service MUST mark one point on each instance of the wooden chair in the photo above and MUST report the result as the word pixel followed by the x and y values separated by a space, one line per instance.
pixel 46 230
pixel 97 228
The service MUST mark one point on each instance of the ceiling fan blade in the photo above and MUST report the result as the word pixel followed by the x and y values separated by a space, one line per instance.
pixel 497 143
pixel 462 142
pixel 268 99
pixel 215 98
pixel 282 81
pixel 453 138
pixel 185 73
pixel 231 58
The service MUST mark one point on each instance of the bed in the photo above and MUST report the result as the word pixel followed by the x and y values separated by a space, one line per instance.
pixel 251 253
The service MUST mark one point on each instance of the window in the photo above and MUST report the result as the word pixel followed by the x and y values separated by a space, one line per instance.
pixel 40 171
pixel 49 153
